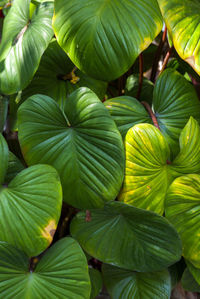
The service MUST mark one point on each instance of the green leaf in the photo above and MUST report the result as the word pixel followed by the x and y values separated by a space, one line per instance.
pixel 127 112
pixel 53 77
pixel 189 283
pixel 146 177
pixel 24 40
pixel 82 143
pixel 62 272
pixel 126 284
pixel 4 153
pixel 30 209
pixel 96 282
pixel 14 167
pixel 127 237
pixel 103 38
pixel 182 19
pixel 132 87
pixel 174 101
pixel 148 172
pixel 3 111
pixel 183 211
pixel 194 271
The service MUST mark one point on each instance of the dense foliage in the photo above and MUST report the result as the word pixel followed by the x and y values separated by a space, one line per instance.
pixel 99 148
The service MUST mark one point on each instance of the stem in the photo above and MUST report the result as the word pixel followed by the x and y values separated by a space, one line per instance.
pixel 152 115
pixel 169 53
pixel 158 55
pixel 141 75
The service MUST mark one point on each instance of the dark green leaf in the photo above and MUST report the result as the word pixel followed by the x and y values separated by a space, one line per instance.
pixel 189 283
pixel 96 282
pixel 128 237
pixel 4 153
pixel 14 167
pixel 126 284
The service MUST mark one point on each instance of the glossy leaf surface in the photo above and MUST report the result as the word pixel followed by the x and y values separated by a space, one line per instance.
pixel 62 272
pixel 127 237
pixel 148 172
pixel 174 101
pixel 30 209
pixel 54 78
pixel 127 112
pixel 183 211
pixel 24 39
pixel 103 38
pixel 82 143
pixel 126 284
pixel 182 18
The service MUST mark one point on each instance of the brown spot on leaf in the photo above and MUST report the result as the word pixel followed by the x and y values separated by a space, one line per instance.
pixel 88 216
pixel 191 61
pixel 49 231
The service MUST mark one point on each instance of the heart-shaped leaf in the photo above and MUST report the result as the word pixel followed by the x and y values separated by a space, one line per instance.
pixel 126 284
pixel 182 19
pixel 55 76
pixel 30 209
pixel 148 173
pixel 183 211
pixel 146 178
pixel 4 153
pixel 82 143
pixel 103 38
pixel 24 39
pixel 174 101
pixel 62 272
pixel 127 237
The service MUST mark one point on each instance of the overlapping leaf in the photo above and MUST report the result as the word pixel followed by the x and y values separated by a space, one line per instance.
pixel 183 211
pixel 189 283
pixel 126 284
pixel 61 273
pixel 14 167
pixel 3 111
pixel 127 237
pixel 174 101
pixel 54 77
pixel 103 38
pixel 182 18
pixel 82 143
pixel 30 209
pixel 96 282
pixel 148 172
pixel 24 40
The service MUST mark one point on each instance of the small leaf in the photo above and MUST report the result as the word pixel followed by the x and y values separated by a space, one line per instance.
pixel 30 209
pixel 3 111
pixel 103 38
pixel 189 283
pixel 14 167
pixel 62 272
pixel 126 284
pixel 128 237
